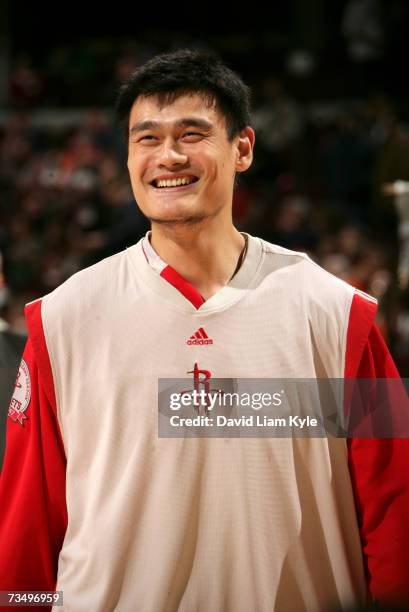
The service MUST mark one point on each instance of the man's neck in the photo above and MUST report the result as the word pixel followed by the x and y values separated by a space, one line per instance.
pixel 206 254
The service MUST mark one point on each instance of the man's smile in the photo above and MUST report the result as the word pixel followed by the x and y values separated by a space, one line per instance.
pixel 178 183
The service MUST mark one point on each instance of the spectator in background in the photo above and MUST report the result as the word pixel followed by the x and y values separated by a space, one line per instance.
pixel 290 224
pixel 362 28
pixel 11 348
pixel 279 122
pixel 27 84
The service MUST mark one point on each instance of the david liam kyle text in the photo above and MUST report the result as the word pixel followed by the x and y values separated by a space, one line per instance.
pixel 244 421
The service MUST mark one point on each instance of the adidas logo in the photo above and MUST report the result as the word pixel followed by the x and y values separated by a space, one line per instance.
pixel 199 337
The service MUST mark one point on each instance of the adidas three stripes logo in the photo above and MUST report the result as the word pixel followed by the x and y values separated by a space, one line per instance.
pixel 199 337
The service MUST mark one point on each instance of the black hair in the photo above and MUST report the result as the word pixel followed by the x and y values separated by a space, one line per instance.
pixel 185 71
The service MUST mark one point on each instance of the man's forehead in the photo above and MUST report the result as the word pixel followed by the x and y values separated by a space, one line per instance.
pixel 155 108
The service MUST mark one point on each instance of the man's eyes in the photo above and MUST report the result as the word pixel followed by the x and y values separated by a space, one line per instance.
pixel 152 137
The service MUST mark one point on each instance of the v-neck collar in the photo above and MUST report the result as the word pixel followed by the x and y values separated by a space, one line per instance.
pixel 170 274
pixel 169 284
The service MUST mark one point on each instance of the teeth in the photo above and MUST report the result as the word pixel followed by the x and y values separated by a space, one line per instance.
pixel 175 182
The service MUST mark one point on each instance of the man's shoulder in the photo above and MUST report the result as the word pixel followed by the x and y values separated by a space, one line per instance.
pixel 305 276
pixel 296 263
pixel 90 280
pixel 274 249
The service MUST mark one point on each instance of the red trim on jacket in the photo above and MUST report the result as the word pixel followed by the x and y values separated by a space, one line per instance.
pixel 379 470
pixel 32 484
pixel 185 288
pixel 36 333
pixel 361 320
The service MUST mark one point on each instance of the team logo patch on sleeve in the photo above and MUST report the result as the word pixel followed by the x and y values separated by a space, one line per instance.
pixel 21 395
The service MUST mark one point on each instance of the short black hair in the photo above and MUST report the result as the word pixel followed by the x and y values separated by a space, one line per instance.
pixel 170 75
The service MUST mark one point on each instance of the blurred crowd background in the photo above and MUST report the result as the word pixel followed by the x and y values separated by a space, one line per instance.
pixel 331 118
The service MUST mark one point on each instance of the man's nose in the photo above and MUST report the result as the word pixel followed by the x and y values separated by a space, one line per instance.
pixel 171 155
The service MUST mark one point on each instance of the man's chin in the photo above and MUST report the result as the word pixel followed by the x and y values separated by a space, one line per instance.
pixel 178 220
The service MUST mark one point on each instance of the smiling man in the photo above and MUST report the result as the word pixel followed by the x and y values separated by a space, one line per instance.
pixel 93 502
pixel 183 157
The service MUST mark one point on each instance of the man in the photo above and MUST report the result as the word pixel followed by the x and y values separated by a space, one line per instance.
pixel 119 519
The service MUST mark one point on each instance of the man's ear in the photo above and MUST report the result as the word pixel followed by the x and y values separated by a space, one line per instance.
pixel 244 149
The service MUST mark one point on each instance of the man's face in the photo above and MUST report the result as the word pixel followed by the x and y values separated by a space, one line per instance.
pixel 180 161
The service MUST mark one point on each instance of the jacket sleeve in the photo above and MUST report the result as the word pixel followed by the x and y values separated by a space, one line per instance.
pixel 379 474
pixel 33 516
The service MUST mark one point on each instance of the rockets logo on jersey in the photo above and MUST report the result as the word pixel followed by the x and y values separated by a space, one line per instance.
pixel 201 382
pixel 21 395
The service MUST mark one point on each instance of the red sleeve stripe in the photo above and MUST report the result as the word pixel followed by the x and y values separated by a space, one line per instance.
pixel 36 332
pixel 361 319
